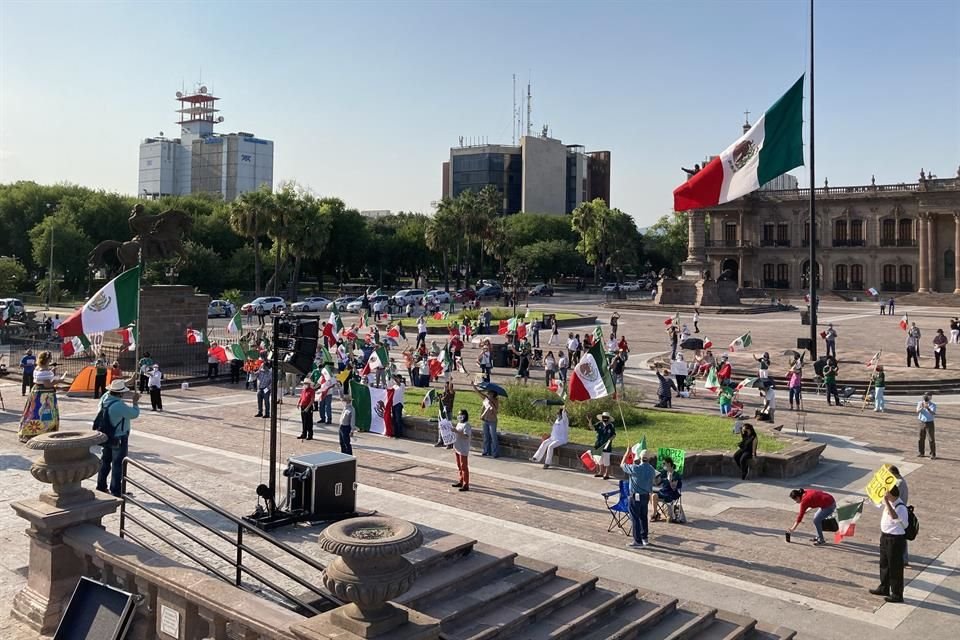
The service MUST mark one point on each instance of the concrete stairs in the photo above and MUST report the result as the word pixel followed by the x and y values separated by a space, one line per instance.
pixel 479 592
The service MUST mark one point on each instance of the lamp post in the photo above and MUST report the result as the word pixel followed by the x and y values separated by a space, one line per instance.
pixel 50 269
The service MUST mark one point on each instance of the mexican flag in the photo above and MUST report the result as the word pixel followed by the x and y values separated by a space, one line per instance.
pixel 634 452
pixel 325 381
pixel 195 336
pixel 712 382
pixel 237 352
pixel 875 360
pixel 333 327
pixel 218 352
pixel 521 331
pixel 847 516
pixel 591 377
pixel 742 342
pixel 325 356
pixel 129 337
pixel 436 367
pixel 771 147
pixel 429 399
pixel 746 382
pixel 75 346
pixel 598 333
pixel 904 321
pixel 675 320
pixel 872 292
pixel 503 327
pixel 707 342
pixel 236 324
pixel 372 408
pixel 512 325
pixel 378 358
pixel 440 315
pixel 111 308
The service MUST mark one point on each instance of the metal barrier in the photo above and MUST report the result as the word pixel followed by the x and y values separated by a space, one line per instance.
pixel 235 559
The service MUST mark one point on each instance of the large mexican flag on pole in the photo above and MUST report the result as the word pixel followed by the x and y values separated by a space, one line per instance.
pixel 372 408
pixel 591 377
pixel 111 308
pixel 771 147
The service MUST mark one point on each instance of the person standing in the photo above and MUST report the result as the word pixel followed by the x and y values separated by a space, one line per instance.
pixel 831 338
pixel 554 333
pixel 153 384
pixel 940 350
pixel 41 413
pixel 640 477
pixel 795 388
pixel 261 315
pixel 879 387
pixel 115 371
pixel 488 418
pixel 890 307
pixel 696 320
pixel 461 450
pixel 235 367
pixel 614 323
pixel 144 366
pixel 905 497
pixel 746 449
pixel 264 380
pixel 421 330
pixel 535 330
pixel 830 372
pixel 213 366
pixel 485 361
pixel 563 364
pixel 883 307
pixel 955 331
pixel 927 412
pixel 120 415
pixel 913 345
pixel 347 425
pixel 823 502
pixel 446 409
pixel 399 388
pixel 28 363
pixel 606 431
pixel 559 435
pixel 673 332
pixel 305 404
pixel 893 544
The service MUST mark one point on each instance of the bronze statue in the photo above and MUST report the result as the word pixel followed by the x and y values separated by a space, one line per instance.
pixel 157 237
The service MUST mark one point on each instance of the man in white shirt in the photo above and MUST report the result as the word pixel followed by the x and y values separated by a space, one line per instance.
pixel 421 330
pixel 927 412
pixel 559 435
pixel 398 392
pixel 893 542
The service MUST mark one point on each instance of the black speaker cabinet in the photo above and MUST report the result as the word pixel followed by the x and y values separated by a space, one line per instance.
pixel 96 611
pixel 322 484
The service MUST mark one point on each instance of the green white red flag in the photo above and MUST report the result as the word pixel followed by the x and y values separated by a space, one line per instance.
pixel 75 346
pixel 590 378
pixel 429 399
pixel 875 360
pixel 129 337
pixel 196 336
pixel 218 352
pixel 333 327
pixel 847 516
pixel 372 408
pixel 674 320
pixel 904 321
pixel 236 324
pixel 712 383
pixel 772 146
pixel 112 307
pixel 634 452
pixel 741 343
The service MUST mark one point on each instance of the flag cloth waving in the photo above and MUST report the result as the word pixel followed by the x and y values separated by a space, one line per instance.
pixel 129 337
pixel 590 378
pixel 772 146
pixel 712 382
pixel 75 346
pixel 847 516
pixel 111 308
pixel 634 452
pixel 373 408
pixel 195 336
pixel 875 360
pixel 741 343
pixel 236 324
pixel 904 321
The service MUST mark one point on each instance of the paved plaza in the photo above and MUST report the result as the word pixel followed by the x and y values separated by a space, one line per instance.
pixel 731 554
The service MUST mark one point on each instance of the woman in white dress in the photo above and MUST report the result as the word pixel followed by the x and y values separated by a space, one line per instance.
pixel 559 435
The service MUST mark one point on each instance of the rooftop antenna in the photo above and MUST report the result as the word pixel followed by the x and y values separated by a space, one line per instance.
pixel 529 109
pixel 746 122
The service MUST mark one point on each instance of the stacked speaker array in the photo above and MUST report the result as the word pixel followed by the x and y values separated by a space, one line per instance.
pixel 297 340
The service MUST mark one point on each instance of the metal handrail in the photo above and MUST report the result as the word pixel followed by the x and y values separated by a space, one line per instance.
pixel 238 543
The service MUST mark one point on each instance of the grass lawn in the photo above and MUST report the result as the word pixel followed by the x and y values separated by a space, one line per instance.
pixel 496 317
pixel 692 432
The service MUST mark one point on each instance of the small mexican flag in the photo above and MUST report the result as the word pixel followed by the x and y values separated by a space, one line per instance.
pixel 675 320
pixel 634 452
pixel 237 352
pixel 521 331
pixel 440 315
pixel 591 378
pixel 333 327
pixel 772 146
pixel 75 346
pixel 904 321
pixel 512 325
pixel 503 327
pixel 707 343
pixel 195 336
pixel 712 382
pixel 847 516
pixel 598 333
pixel 429 399
pixel 742 342
pixel 114 306
pixel 746 382
pixel 218 352
pixel 378 358
pixel 129 337
pixel 373 408
pixel 236 324
pixel 875 360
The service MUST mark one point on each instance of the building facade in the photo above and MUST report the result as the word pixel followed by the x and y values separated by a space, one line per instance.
pixel 200 160
pixel 540 175
pixel 898 237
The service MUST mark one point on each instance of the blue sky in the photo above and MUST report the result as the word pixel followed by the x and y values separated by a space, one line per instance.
pixel 364 99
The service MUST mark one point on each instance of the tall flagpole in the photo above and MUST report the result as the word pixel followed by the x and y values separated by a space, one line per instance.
pixel 813 271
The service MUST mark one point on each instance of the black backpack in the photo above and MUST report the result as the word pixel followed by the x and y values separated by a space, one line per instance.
pixel 103 424
pixel 913 524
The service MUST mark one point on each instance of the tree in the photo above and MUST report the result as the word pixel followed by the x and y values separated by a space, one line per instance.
pixel 249 217
pixel 202 268
pixel 665 243
pixel 547 259
pixel 13 276
pixel 608 237
pixel 309 234
pixel 350 235
pixel 70 248
pixel 439 231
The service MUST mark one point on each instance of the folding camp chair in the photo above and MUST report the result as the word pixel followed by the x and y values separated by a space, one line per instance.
pixel 672 510
pixel 801 425
pixel 619 510
pixel 846 394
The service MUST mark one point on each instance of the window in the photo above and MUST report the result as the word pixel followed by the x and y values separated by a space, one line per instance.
pixel 783 234
pixel 840 276
pixel 839 233
pixel 888 233
pixel 768 273
pixel 856 233
pixel 856 276
pixel 906 232
pixel 730 234
pixel 768 233
pixel 949 262
pixel 783 276
pixel 906 275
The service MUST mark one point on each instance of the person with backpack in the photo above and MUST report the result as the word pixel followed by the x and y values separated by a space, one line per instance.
pixel 894 525
pixel 113 420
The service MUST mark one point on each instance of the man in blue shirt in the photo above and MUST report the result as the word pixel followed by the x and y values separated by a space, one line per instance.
pixel 927 412
pixel 27 363
pixel 115 450
pixel 640 477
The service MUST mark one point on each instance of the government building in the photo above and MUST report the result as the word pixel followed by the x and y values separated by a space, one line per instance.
pixel 891 237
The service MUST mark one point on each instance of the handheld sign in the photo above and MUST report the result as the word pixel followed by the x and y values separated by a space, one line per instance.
pixel 677 455
pixel 880 484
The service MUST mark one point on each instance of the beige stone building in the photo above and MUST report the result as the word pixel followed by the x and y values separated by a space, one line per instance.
pixel 895 237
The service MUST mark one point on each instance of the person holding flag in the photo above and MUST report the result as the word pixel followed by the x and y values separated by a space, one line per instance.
pixel 879 387
pixel 144 366
pixel 913 343
pixel 606 431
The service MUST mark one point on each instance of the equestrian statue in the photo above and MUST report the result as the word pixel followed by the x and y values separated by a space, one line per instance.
pixel 155 237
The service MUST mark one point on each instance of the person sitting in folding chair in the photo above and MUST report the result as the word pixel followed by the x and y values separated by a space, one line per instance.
pixel 620 509
pixel 666 501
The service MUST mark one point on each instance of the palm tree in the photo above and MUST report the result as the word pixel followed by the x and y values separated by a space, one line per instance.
pixel 247 218
pixel 441 226
pixel 308 236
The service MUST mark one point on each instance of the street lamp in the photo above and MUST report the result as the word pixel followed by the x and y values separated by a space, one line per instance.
pixel 50 268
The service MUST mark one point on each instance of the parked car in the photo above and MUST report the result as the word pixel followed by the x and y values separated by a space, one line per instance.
pixel 541 290
pixel 17 310
pixel 610 287
pixel 630 286
pixel 220 309
pixel 490 291
pixel 343 301
pixel 438 296
pixel 271 304
pixel 465 295
pixel 407 296
pixel 311 304
pixel 486 282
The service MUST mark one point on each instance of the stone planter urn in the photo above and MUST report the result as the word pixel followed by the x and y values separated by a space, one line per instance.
pixel 370 570
pixel 65 463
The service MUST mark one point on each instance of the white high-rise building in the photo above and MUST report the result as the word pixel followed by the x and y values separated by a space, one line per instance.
pixel 200 160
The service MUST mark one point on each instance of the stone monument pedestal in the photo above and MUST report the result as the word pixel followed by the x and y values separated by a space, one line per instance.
pixel 697 293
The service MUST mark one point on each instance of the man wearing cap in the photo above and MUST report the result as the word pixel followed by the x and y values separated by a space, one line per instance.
pixel 606 432
pixel 640 475
pixel 927 412
pixel 120 415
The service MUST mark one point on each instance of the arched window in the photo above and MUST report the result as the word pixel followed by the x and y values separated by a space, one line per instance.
pixel 906 232
pixel 906 277
pixel 840 276
pixel 889 277
pixel 888 233
pixel 856 233
pixel 856 276
pixel 949 264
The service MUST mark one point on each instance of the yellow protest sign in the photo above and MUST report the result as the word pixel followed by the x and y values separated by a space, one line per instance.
pixel 880 484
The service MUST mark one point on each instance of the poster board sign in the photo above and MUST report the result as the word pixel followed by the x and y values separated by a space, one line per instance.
pixel 880 484
pixel 677 455
pixel 447 434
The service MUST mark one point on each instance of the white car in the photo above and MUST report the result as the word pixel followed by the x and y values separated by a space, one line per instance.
pixel 438 296
pixel 271 304
pixel 221 309
pixel 407 296
pixel 355 305
pixel 314 303
pixel 630 286
pixel 17 310
pixel 610 287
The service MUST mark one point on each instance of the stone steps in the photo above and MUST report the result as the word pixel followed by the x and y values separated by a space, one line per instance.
pixel 646 610
pixel 434 585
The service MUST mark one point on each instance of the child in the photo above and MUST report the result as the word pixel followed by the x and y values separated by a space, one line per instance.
pixel 725 400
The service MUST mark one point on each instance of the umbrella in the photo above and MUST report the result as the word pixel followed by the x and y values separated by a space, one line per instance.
pixel 490 386
pixel 790 352
pixel 692 344
pixel 547 402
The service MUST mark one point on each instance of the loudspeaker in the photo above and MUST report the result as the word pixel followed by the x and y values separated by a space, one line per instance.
pixel 300 361
pixel 805 343
pixel 96 611
pixel 308 329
